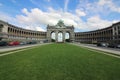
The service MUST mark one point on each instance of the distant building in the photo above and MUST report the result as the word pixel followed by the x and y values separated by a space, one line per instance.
pixel 9 32
pixel 109 35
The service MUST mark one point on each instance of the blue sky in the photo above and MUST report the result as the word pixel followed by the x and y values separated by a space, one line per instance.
pixel 85 15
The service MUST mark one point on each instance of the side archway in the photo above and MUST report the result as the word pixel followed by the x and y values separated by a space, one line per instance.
pixel 67 37
pixel 53 36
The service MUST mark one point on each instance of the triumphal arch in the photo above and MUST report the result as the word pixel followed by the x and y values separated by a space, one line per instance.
pixel 60 29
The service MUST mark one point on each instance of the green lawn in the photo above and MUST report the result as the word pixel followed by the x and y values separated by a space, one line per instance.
pixel 59 62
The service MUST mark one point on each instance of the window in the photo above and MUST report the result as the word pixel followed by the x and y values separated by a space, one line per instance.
pixel 118 31
pixel 115 28
pixel 1 26
pixel 119 27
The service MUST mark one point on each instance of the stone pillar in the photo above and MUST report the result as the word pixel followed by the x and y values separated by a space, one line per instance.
pixel 63 36
pixel 56 36
pixel 72 36
pixel 49 36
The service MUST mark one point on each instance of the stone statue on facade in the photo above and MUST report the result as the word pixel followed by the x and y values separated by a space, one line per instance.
pixel 60 24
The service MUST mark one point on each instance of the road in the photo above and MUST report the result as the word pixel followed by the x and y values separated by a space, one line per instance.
pixel 10 48
pixel 105 49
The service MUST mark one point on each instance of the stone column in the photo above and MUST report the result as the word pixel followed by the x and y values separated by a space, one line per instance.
pixel 56 36
pixel 72 36
pixel 49 36
pixel 63 36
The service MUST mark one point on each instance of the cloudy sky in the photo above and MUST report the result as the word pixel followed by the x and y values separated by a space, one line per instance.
pixel 85 15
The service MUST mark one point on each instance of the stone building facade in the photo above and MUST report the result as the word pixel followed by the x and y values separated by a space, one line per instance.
pixel 9 32
pixel 109 35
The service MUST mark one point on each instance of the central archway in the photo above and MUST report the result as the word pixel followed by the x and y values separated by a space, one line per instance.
pixel 60 37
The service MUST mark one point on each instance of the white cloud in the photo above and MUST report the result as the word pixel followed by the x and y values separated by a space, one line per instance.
pixel 25 11
pixel 33 27
pixel 80 13
pixel 94 23
pixel 36 17
pixel 66 5
pixel 103 2
pixel 39 29
pixel 110 4
pixel 99 7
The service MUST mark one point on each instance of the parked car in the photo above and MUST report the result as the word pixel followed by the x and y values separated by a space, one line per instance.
pixel 16 42
pixel 23 43
pixel 112 45
pixel 102 44
pixel 13 43
pixel 32 42
pixel 29 42
pixel 45 41
pixel 118 46
pixel 3 43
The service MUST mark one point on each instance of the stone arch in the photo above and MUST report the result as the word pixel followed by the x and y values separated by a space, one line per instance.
pixel 60 27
